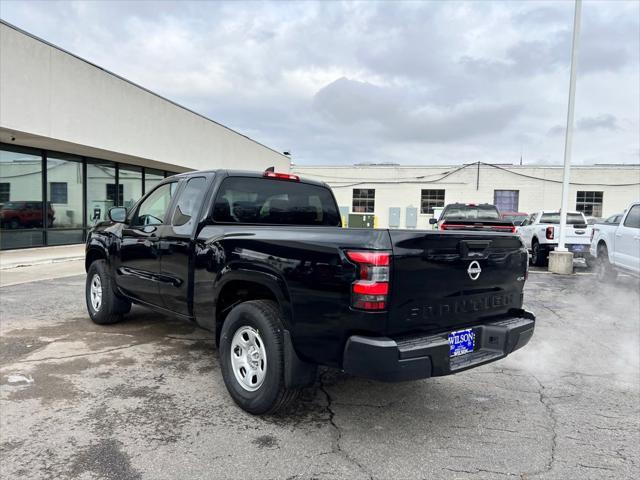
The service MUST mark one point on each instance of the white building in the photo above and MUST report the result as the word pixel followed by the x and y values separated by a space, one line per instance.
pixel 76 139
pixel 405 196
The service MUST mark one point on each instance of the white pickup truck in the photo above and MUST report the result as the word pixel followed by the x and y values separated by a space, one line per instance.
pixel 541 230
pixel 616 247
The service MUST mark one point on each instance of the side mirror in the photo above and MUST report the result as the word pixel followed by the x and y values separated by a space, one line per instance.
pixel 117 214
pixel 433 221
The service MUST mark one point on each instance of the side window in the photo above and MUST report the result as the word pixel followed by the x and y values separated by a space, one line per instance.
pixel 188 205
pixel 153 209
pixel 633 218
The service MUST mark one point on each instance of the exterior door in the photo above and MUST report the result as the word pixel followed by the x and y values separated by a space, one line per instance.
pixel 627 241
pixel 177 245
pixel 138 273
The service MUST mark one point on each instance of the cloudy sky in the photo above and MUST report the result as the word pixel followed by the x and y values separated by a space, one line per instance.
pixel 341 83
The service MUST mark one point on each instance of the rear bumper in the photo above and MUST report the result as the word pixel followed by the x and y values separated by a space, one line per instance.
pixel 416 357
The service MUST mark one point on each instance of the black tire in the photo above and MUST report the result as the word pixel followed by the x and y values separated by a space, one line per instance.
pixel 538 254
pixel 262 317
pixel 111 307
pixel 604 271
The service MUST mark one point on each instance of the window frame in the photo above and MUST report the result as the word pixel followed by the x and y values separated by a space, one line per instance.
pixel 175 203
pixel 589 199
pixel 626 218
pixel 366 200
pixel 422 199
pixel 499 191
pixel 8 192
pixel 66 192
pixel 133 215
pixel 218 187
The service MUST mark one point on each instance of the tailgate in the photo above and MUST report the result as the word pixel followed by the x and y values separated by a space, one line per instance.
pixel 578 234
pixel 446 280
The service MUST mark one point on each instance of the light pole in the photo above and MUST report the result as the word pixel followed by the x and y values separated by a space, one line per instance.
pixel 569 132
pixel 561 260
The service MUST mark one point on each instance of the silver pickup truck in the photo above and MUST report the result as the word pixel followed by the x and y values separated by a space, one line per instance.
pixel 616 247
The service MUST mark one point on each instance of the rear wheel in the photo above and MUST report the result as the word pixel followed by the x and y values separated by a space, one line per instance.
pixel 252 357
pixel 538 254
pixel 604 270
pixel 103 304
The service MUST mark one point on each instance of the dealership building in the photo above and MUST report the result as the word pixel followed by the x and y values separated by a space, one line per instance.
pixel 76 140
pixel 398 196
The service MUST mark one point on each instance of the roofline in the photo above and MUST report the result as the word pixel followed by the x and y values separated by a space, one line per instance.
pixel 249 174
pixel 119 77
pixel 451 165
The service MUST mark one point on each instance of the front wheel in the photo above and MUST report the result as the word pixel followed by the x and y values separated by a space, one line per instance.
pixel 252 357
pixel 604 271
pixel 103 304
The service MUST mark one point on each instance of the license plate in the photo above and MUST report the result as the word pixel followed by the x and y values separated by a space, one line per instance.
pixel 577 248
pixel 461 342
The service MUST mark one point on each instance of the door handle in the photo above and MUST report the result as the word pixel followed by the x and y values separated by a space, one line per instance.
pixel 618 234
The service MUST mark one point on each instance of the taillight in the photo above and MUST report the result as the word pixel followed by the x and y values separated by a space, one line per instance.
pixel 593 232
pixel 549 233
pixel 371 290
pixel 282 176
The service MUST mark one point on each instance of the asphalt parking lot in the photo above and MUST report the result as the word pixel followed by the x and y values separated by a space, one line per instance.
pixel 144 399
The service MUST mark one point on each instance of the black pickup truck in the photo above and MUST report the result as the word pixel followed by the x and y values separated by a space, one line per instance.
pixel 471 216
pixel 261 260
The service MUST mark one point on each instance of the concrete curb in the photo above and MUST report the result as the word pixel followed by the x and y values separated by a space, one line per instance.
pixel 27 257
pixel 45 261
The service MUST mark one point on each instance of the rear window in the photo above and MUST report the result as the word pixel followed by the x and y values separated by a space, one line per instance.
pixel 572 218
pixel 515 218
pixel 263 200
pixel 467 212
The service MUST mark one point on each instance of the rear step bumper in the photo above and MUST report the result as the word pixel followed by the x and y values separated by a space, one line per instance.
pixel 416 357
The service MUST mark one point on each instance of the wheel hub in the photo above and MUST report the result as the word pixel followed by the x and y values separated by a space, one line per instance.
pixel 95 292
pixel 248 358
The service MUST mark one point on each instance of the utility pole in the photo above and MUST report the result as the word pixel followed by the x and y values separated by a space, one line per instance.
pixel 569 132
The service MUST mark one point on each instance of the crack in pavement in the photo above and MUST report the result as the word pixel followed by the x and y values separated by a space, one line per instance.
pixel 480 470
pixel 87 354
pixel 544 400
pixel 108 350
pixel 337 447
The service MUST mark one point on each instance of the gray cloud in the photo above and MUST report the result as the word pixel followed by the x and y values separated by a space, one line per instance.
pixel 605 122
pixel 410 82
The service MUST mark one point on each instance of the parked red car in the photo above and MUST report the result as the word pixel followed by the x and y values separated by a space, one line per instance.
pixel 516 217
pixel 24 214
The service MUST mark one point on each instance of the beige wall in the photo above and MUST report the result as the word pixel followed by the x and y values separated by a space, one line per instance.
pixel 400 186
pixel 52 99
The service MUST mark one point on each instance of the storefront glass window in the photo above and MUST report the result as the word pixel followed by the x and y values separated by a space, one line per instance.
pixel 101 190
pixel 152 178
pixel 22 211
pixel 130 184
pixel 64 194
